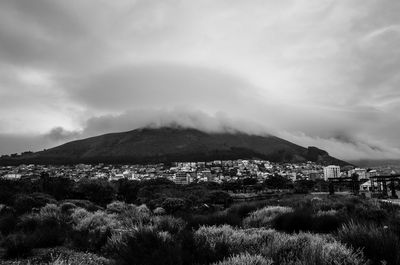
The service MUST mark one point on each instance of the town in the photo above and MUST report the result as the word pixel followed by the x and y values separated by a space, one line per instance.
pixel 194 172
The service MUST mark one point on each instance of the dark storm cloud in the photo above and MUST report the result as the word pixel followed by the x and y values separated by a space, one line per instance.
pixel 184 117
pixel 60 134
pixel 34 32
pixel 161 85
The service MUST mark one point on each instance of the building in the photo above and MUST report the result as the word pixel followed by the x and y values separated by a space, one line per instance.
pixel 371 173
pixel 182 178
pixel 361 173
pixel 12 176
pixel 366 186
pixel 331 172
pixel 206 175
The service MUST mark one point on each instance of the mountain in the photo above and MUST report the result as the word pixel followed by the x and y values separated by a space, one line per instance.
pixel 167 144
pixel 366 163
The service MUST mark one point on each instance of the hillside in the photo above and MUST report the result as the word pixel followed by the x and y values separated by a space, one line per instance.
pixel 174 144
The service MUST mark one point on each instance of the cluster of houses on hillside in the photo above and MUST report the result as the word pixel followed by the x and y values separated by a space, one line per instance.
pixel 189 172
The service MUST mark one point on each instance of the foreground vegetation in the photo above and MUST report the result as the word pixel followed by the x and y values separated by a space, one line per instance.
pixel 165 224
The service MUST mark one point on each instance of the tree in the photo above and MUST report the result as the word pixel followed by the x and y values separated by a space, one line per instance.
pixel 277 182
pixel 127 190
pixel 218 197
pixel 98 191
pixel 249 181
pixel 172 205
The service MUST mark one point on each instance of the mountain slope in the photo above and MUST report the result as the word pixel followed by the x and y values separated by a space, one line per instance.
pixel 175 144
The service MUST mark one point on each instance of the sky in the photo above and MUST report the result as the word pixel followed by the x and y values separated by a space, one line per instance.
pixel 319 73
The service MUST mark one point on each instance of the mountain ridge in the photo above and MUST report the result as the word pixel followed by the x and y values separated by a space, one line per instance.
pixel 169 144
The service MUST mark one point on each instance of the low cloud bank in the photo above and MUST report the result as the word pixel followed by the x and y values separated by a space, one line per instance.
pixel 340 146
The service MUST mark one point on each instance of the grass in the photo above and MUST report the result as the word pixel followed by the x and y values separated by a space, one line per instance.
pixel 377 242
pixel 264 216
pixel 245 259
pixel 298 229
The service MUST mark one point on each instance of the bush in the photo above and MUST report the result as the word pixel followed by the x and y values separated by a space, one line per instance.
pixel 303 220
pixel 264 216
pixel 159 211
pixel 91 230
pixel 85 204
pixel 129 215
pixel 242 210
pixel 60 256
pixel 79 214
pixel 67 207
pixel 246 259
pixel 236 240
pixel 172 205
pixel 377 216
pixel 303 248
pixel 309 249
pixel 69 257
pixel 16 246
pixel 197 250
pixel 296 221
pixel 326 223
pixel 377 243
pixel 145 246
pixel 100 192
pixel 47 228
pixel 218 197
pixel 217 218
pixel 8 220
pixel 169 224
pixel 24 203
pixel 117 207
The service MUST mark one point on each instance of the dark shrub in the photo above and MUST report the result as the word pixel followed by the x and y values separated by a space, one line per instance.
pixel 28 223
pixel 242 210
pixel 85 204
pixel 389 207
pixel 299 220
pixel 44 237
pixel 394 225
pixel 218 218
pixel 7 223
pixel 199 251
pixel 172 205
pixel 48 228
pixel 326 223
pixel 67 207
pixel 16 245
pixel 127 190
pixel 24 203
pixel 146 246
pixel 218 197
pixel 378 243
pixel 373 215
pixel 60 187
pixel 169 224
pixel 303 186
pixel 98 191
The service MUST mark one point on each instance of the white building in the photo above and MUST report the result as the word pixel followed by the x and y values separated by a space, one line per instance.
pixel 331 172
pixel 361 172
pixel 366 186
pixel 182 178
pixel 12 176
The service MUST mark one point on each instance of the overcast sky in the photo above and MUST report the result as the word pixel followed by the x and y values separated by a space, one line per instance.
pixel 316 72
